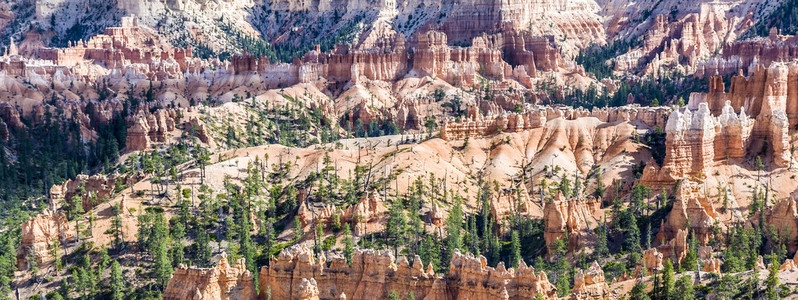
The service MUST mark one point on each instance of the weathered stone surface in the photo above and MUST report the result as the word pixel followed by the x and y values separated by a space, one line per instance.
pixel 676 248
pixel 571 217
pixel 788 265
pixel 221 282
pixel 362 215
pixel 590 284
pixel 149 128
pixel 653 261
pixel 298 274
pixel 477 125
pixel 783 217
pixel 691 211
pixel 40 234
pixel 372 275
pixel 123 46
pixel 97 188
pixel 711 265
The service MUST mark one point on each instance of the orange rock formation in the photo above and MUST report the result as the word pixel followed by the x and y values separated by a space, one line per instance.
pixel 572 216
pixel 39 235
pixel 298 274
pixel 590 284
pixel 222 282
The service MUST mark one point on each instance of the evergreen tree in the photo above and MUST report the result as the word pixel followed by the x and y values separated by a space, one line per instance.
pixel 772 281
pixel 298 231
pixel 395 226
pixel 690 261
pixel 454 225
pixel 203 256
pixel 638 292
pixel 667 280
pixel 516 258
pixel 599 192
pixel 117 282
pixel 601 249
pixel 565 186
pixel 393 296
pixel 683 289
pixel 349 246
pixel 162 268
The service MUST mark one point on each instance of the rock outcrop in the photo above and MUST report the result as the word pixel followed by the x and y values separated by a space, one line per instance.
pixel 676 248
pixel 222 282
pixel 573 217
pixel 93 190
pixel 652 260
pixel 477 125
pixel 39 237
pixel 126 45
pixel 298 274
pixel 783 218
pixel 691 211
pixel 590 284
pixel 150 128
pixel 362 215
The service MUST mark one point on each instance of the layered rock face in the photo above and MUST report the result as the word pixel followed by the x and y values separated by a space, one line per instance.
pixel 298 274
pixel 710 263
pixel 122 46
pixel 575 19
pixel 695 139
pixel 676 33
pixel 746 55
pixel 40 235
pixel 692 211
pixel 690 141
pixel 477 125
pixel 590 284
pixel 511 203
pixel 148 128
pixel 572 216
pixel 783 216
pixel 770 97
pixel 469 277
pixel 372 275
pixel 756 114
pixel 222 282
pixel 362 215
pixel 676 248
pixel 652 260
pixel 98 188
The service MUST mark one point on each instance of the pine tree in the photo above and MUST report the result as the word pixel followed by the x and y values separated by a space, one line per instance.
pixel 394 296
pixel 638 292
pixel 162 268
pixel 454 225
pixel 117 282
pixel 601 249
pixel 203 258
pixel 298 231
pixel 516 258
pixel 667 280
pixel 565 186
pixel 690 261
pixel 599 186
pixel 349 246
pixel 683 289
pixel 394 228
pixel 772 281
